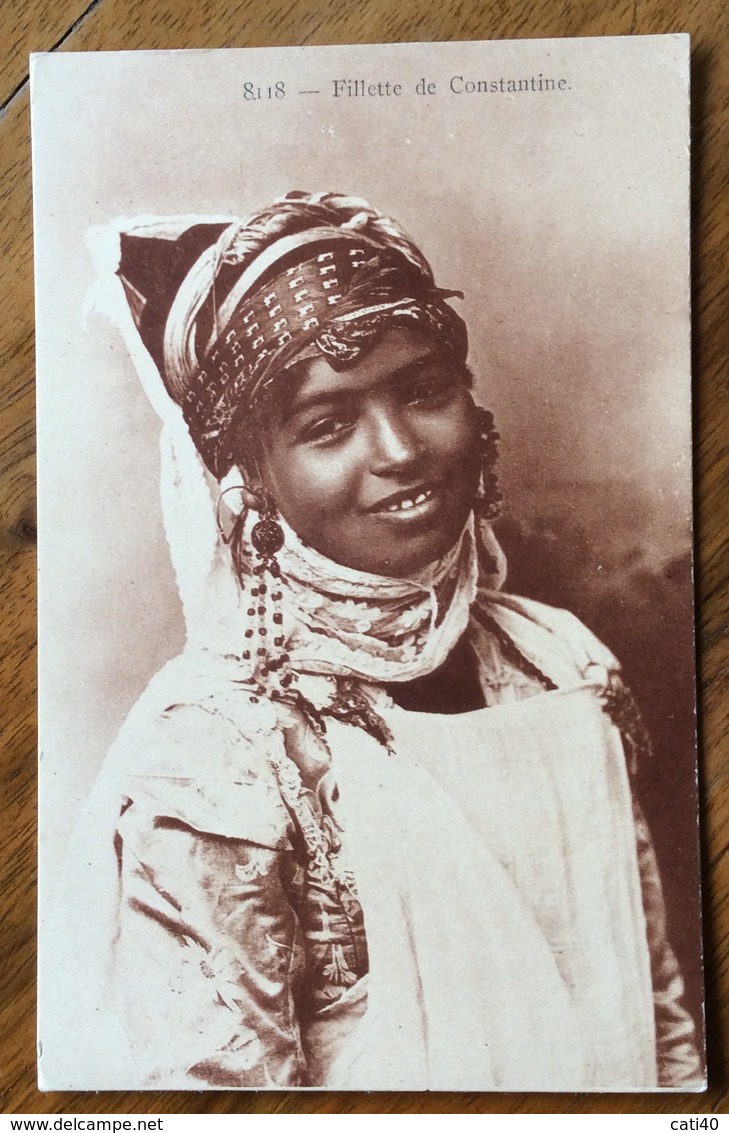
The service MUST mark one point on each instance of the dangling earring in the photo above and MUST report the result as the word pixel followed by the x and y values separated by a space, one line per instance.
pixel 488 496
pixel 267 538
pixel 265 636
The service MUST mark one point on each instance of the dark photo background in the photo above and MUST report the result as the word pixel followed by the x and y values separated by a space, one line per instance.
pixel 562 217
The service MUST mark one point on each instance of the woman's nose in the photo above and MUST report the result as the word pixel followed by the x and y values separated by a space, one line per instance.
pixel 396 445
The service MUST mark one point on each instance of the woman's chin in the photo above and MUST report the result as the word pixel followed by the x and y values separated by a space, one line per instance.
pixel 414 563
pixel 397 549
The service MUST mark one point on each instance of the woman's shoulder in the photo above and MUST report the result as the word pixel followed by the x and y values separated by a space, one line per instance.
pixel 198 751
pixel 553 639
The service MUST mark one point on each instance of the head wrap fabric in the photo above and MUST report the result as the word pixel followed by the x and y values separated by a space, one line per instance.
pixel 321 302
pixel 225 329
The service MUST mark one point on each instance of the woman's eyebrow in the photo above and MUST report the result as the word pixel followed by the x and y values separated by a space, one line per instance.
pixel 412 368
pixel 302 402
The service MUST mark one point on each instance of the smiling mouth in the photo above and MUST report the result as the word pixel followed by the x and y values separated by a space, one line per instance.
pixel 414 500
pixel 410 502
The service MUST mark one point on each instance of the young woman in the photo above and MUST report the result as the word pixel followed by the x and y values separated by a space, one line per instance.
pixel 374 827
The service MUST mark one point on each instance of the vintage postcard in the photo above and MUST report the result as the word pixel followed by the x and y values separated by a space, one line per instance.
pixel 367 745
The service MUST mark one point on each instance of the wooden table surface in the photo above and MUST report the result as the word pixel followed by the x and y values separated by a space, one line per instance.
pixel 73 25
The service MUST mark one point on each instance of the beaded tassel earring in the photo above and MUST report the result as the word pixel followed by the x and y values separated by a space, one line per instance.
pixel 266 642
pixel 487 505
pixel 488 496
pixel 267 538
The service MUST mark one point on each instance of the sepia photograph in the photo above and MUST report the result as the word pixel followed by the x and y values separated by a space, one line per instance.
pixel 367 696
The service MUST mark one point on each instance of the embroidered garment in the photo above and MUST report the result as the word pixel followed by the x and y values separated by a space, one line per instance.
pixel 498 906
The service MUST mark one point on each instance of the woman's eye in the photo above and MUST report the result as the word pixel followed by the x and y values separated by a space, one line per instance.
pixel 435 387
pixel 326 429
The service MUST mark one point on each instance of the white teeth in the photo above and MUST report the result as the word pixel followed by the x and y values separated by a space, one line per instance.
pixel 411 501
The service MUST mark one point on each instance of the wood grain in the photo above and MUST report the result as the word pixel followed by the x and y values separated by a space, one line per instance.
pixel 117 24
pixel 33 26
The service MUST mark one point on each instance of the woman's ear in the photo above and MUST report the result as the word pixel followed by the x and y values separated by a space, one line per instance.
pixel 252 499
pixel 252 491
pixel 238 485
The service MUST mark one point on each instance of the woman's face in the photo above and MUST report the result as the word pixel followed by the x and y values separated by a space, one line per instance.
pixel 376 466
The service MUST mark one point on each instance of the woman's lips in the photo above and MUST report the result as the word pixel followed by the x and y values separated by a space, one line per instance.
pixel 409 503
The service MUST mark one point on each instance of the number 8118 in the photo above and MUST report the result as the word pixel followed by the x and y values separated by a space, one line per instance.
pixel 252 92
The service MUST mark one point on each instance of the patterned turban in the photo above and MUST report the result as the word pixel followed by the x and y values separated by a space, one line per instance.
pixel 226 310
